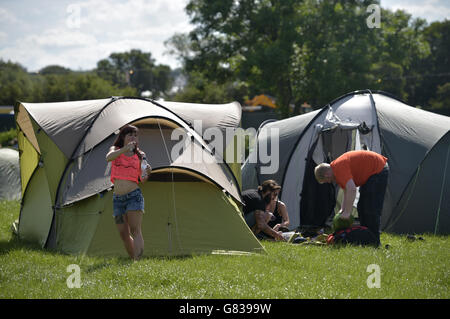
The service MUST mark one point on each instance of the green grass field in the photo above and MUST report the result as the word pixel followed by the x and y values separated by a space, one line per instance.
pixel 419 269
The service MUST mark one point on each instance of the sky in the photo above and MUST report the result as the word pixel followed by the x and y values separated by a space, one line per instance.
pixel 77 34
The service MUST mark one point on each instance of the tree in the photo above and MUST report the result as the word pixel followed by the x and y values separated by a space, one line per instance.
pixel 246 40
pixel 53 84
pixel 334 51
pixel 79 86
pixel 138 70
pixel 433 70
pixel 301 51
pixel 441 104
pixel 401 45
pixel 389 77
pixel 202 90
pixel 15 84
pixel 54 69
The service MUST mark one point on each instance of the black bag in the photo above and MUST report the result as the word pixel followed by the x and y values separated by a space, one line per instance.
pixel 356 235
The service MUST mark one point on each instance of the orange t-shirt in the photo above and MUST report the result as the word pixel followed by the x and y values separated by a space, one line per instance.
pixel 357 165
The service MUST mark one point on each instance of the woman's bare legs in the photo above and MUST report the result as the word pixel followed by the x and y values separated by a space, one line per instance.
pixel 124 231
pixel 135 223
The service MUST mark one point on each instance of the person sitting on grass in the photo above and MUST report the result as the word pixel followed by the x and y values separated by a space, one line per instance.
pixel 280 220
pixel 255 214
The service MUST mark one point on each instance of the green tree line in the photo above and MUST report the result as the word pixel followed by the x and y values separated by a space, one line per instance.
pixel 295 50
pixel 312 51
pixel 121 74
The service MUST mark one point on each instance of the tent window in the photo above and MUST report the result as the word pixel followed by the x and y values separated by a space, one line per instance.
pixel 336 142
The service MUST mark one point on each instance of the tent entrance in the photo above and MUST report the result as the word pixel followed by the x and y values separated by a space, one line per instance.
pixel 318 202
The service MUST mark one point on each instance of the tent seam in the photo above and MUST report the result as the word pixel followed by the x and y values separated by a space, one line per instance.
pixel 442 188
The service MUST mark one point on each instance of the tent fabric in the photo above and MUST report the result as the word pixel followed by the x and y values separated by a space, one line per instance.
pixel 67 190
pixel 52 159
pixel 28 161
pixel 417 200
pixel 408 134
pixel 409 137
pixel 114 116
pixel 289 132
pixel 64 122
pixel 220 116
pixel 93 177
pixel 166 231
pixel 10 187
pixel 36 213
pixel 67 122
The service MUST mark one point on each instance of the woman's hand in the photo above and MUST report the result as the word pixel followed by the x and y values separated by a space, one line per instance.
pixel 345 215
pixel 131 146
pixel 279 236
pixel 148 169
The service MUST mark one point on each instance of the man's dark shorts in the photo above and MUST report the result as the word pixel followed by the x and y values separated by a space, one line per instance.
pixel 371 201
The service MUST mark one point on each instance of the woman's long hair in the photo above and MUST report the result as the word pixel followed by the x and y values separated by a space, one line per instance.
pixel 119 142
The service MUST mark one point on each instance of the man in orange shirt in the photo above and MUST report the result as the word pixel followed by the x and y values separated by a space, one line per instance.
pixel 366 169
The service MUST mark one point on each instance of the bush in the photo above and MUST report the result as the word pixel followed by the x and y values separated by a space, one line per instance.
pixel 8 138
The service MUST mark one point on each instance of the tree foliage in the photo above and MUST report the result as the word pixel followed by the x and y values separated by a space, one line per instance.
pixel 295 50
pixel 311 50
pixel 15 83
pixel 441 103
pixel 138 70
pixel 54 84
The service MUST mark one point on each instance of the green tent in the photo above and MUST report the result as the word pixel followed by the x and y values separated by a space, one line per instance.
pixel 192 200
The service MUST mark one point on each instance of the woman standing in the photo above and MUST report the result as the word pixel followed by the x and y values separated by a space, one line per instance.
pixel 128 201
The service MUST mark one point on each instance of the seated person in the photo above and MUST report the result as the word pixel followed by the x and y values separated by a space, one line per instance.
pixel 280 219
pixel 255 214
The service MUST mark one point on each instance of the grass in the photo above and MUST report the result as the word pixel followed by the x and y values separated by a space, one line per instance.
pixel 419 269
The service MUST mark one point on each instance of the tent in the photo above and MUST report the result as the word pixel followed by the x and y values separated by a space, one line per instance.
pixel 416 143
pixel 192 201
pixel 9 174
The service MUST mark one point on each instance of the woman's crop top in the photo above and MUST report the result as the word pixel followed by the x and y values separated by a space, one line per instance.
pixel 126 167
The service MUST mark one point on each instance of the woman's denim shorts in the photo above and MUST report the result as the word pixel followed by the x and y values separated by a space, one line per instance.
pixel 132 201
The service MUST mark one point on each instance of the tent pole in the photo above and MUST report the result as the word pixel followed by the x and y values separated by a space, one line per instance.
pixel 442 189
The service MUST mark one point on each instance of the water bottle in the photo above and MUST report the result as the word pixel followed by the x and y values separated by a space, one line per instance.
pixel 144 165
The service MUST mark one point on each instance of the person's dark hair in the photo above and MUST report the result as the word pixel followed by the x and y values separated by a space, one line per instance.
pixel 119 142
pixel 269 185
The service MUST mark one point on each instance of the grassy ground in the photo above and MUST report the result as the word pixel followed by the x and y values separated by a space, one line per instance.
pixel 419 269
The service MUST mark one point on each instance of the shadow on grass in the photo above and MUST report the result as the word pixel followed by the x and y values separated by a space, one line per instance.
pixel 95 263
pixel 112 261
pixel 15 244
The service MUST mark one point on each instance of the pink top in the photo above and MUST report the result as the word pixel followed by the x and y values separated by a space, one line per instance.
pixel 126 167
